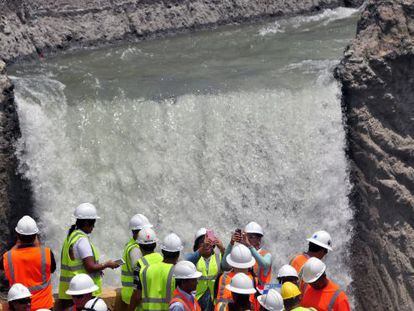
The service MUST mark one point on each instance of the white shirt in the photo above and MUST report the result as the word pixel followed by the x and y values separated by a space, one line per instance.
pixel 82 248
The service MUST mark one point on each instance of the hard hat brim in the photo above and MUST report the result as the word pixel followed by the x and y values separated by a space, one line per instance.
pixel 141 227
pixel 172 250
pixel 200 232
pixel 240 290
pixel 240 265
pixel 319 244
pixel 26 233
pixel 91 218
pixel 83 291
pixel 261 299
pixel 147 242
pixel 195 275
pixel 255 232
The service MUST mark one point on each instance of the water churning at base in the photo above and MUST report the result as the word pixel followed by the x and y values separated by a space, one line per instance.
pixel 209 129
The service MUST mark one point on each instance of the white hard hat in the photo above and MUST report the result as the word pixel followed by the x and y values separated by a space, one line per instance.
pixel 27 226
pixel 18 291
pixel 312 270
pixel 240 257
pixel 186 270
pixel 200 232
pixel 271 301
pixel 172 243
pixel 321 238
pixel 86 211
pixel 287 270
pixel 147 236
pixel 253 227
pixel 138 222
pixel 81 284
pixel 95 304
pixel 241 284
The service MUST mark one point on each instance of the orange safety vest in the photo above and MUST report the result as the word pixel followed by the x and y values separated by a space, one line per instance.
pixel 31 266
pixel 330 298
pixel 224 295
pixel 188 305
pixel 298 261
pixel 262 278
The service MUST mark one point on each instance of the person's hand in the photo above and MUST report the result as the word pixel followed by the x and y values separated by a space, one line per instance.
pixel 245 240
pixel 235 237
pixel 219 244
pixel 111 264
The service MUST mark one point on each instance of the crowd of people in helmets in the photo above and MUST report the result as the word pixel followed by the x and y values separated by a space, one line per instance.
pixel 211 277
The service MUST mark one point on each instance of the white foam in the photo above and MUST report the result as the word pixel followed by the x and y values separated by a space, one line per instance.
pixel 326 17
pixel 275 156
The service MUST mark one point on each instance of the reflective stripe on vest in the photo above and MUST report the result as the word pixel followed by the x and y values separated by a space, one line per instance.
pixel 223 306
pixel 209 275
pixel 225 279
pixel 158 295
pixel 127 272
pixel 70 267
pixel 31 266
pixel 187 304
pixel 333 299
pixel 149 259
pixel 259 271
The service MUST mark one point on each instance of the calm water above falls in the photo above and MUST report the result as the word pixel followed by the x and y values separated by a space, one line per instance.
pixel 214 129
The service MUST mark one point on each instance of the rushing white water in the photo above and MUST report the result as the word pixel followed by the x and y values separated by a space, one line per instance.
pixel 211 129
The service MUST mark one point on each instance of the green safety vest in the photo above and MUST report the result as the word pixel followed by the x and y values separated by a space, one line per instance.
pixel 127 272
pixel 209 274
pixel 149 259
pixel 69 268
pixel 158 285
pixel 304 309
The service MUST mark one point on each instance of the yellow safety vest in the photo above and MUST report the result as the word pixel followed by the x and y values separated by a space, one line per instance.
pixel 127 272
pixel 149 259
pixel 208 278
pixel 69 268
pixel 158 285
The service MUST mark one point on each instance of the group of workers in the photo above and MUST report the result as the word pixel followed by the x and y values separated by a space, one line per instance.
pixel 212 277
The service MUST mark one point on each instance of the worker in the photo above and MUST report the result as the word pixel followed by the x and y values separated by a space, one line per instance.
pixel 263 266
pixel 291 297
pixel 321 293
pixel 95 304
pixel 240 260
pixel 131 255
pixel 186 277
pixel 287 274
pixel 241 288
pixel 79 255
pixel 19 298
pixel 271 301
pixel 31 264
pixel 155 283
pixel 81 288
pixel 147 241
pixel 252 238
pixel 208 262
pixel 319 244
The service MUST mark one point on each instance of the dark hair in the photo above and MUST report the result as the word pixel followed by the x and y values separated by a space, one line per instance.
pixel 170 255
pixel 291 302
pixel 80 223
pixel 27 239
pixel 148 247
pixel 198 241
pixel 316 248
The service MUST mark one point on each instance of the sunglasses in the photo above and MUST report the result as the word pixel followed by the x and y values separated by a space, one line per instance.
pixel 23 301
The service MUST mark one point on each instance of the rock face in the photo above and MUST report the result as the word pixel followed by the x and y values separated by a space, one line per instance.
pixel 28 27
pixel 377 75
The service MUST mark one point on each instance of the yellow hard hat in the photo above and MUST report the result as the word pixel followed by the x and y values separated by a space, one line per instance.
pixel 289 290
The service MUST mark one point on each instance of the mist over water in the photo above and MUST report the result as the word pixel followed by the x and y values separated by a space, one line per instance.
pixel 211 129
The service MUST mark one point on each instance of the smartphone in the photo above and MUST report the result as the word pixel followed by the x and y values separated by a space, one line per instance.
pixel 119 261
pixel 210 235
pixel 238 231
